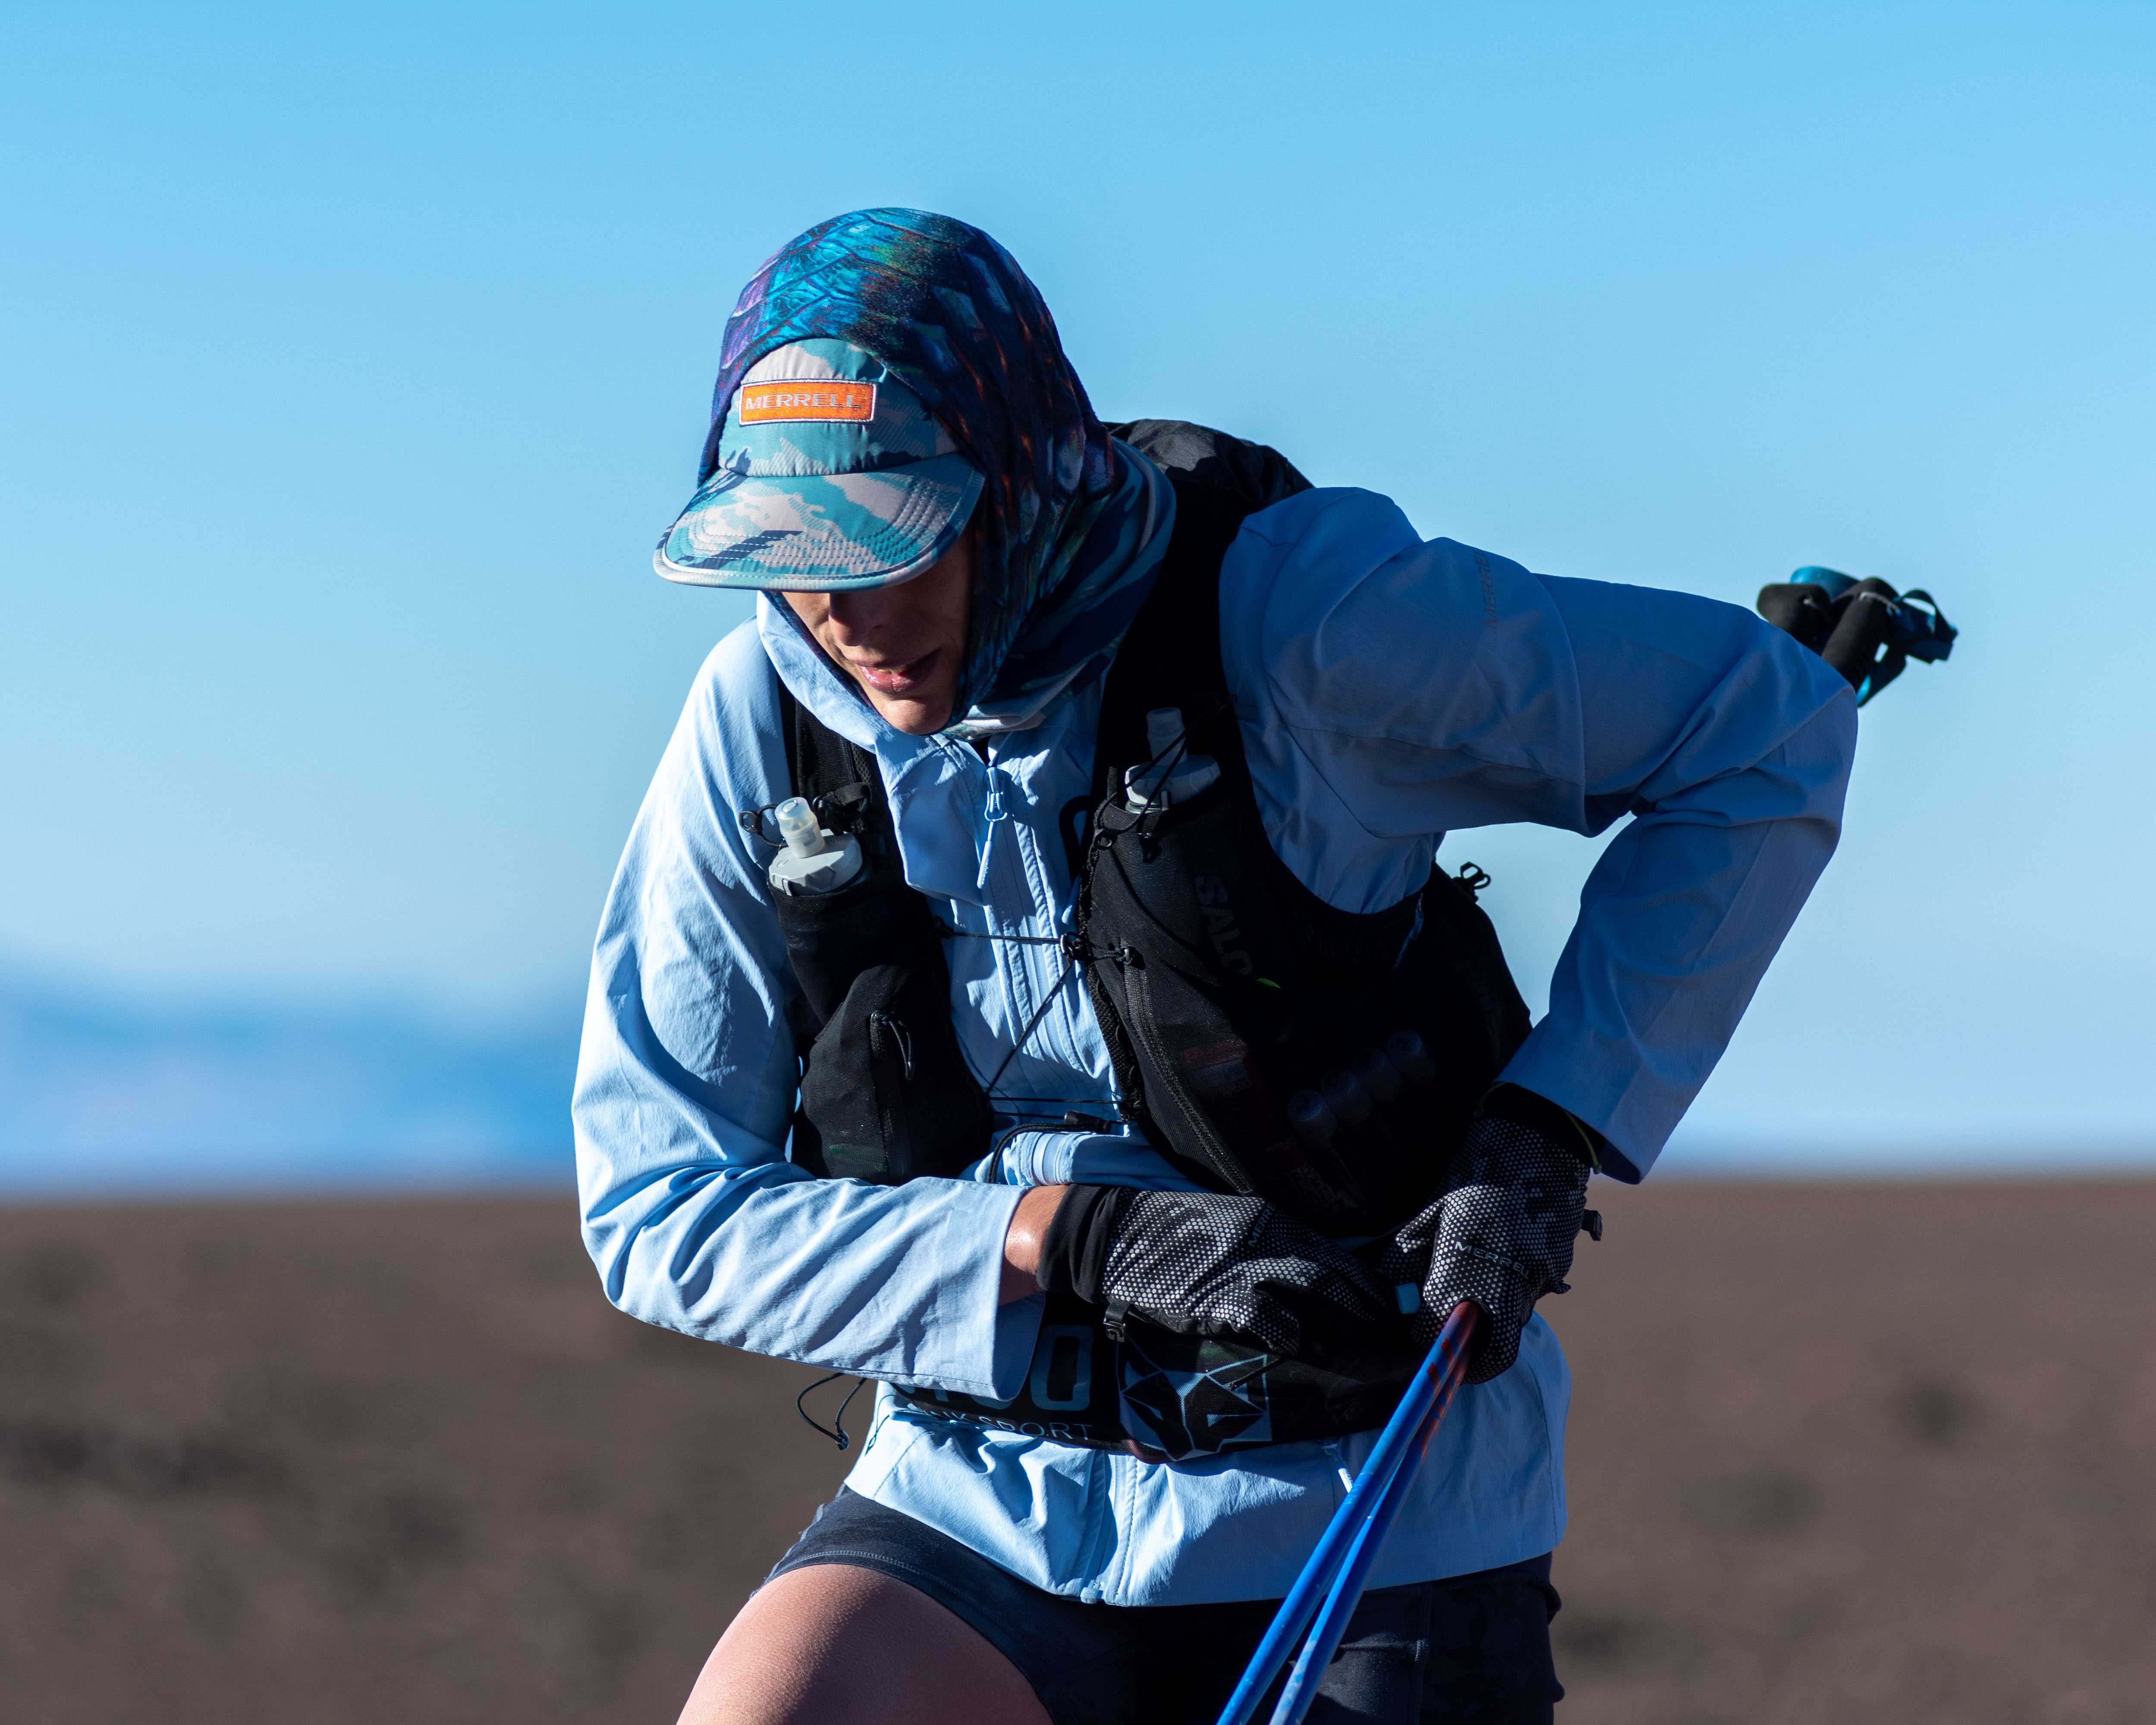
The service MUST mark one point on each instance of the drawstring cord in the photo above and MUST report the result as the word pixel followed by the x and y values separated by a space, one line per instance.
pixel 838 1437
pixel 1076 952
pixel 1040 1012
pixel 949 933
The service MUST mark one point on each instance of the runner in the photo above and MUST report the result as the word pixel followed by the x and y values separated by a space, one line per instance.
pixel 1100 1066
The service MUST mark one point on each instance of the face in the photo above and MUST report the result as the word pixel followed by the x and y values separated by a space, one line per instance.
pixel 904 645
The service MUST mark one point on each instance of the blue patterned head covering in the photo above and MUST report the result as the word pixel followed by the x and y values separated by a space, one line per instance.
pixel 1073 524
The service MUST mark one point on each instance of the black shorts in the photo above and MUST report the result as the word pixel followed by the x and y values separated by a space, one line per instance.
pixel 1472 1650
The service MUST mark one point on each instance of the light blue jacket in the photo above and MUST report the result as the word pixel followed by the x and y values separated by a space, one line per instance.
pixel 1389 690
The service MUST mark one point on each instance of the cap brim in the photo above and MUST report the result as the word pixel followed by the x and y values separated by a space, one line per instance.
pixel 820 532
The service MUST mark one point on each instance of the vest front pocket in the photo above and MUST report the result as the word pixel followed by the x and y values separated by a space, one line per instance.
pixel 886 1095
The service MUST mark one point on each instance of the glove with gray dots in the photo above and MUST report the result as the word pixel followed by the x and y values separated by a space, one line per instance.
pixel 1502 1232
pixel 1208 1264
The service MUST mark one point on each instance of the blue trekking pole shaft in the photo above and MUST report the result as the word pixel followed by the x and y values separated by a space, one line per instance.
pixel 1332 1618
pixel 1359 1526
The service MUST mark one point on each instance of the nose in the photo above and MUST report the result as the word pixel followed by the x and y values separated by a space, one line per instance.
pixel 862 612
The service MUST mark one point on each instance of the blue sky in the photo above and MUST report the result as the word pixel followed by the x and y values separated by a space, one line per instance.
pixel 356 356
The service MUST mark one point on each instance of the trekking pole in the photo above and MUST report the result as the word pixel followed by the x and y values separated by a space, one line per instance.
pixel 1340 1565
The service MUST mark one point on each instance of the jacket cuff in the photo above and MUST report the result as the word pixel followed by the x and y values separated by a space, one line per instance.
pixel 1074 1251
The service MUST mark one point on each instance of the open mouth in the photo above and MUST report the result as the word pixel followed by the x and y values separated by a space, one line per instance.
pixel 901 678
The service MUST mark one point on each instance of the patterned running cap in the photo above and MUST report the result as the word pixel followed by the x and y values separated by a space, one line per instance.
pixel 832 476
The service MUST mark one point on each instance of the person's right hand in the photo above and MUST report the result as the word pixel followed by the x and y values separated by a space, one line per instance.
pixel 1201 1263
pixel 1501 1233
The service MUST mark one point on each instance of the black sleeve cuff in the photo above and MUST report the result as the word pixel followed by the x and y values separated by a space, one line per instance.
pixel 1074 1252
pixel 1523 1107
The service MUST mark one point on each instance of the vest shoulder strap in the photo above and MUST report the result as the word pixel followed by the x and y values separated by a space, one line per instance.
pixel 1171 656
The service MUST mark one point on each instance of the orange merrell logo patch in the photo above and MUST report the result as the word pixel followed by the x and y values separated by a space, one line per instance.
pixel 825 398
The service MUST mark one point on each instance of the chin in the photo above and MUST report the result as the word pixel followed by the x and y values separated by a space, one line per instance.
pixel 916 718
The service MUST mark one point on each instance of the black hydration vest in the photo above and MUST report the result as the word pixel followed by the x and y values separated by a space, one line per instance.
pixel 1223 985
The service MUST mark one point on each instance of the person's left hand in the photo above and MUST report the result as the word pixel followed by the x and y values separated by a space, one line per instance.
pixel 1502 1232
pixel 1208 1264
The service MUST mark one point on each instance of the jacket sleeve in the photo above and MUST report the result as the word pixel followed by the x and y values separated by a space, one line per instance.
pixel 685 1091
pixel 1391 690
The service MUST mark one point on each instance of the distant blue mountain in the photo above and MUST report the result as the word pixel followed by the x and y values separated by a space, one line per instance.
pixel 97 1098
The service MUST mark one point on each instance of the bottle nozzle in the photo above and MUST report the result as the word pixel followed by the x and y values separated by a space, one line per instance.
pixel 1163 731
pixel 799 827
pixel 1172 775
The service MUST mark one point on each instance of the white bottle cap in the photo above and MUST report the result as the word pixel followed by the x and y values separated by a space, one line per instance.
pixel 825 871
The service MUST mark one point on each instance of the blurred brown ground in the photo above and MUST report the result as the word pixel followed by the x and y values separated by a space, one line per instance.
pixel 1838 1454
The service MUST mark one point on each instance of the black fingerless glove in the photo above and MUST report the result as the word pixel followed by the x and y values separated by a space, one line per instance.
pixel 1203 1264
pixel 1502 1232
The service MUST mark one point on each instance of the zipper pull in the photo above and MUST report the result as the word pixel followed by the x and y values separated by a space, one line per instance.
pixel 899 1035
pixel 996 812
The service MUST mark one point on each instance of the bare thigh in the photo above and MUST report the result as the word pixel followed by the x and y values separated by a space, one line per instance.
pixel 834 1644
